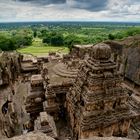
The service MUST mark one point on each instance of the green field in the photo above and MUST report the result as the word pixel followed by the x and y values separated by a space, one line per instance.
pixel 58 37
pixel 38 48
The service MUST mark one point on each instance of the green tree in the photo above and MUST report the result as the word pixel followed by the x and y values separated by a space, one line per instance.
pixel 111 37
pixel 119 35
pixel 35 33
pixel 6 43
pixel 23 37
pixel 54 39
pixel 71 40
pixel 47 39
pixel 57 40
pixel 22 40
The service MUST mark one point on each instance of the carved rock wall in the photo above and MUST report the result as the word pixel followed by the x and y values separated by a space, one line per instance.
pixel 9 67
pixel 127 54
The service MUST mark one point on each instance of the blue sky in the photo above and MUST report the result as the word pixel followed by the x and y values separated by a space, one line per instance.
pixel 62 10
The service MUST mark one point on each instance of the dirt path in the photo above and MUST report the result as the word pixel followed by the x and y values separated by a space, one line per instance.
pixel 19 100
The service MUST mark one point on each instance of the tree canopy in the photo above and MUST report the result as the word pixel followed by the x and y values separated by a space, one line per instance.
pixel 15 39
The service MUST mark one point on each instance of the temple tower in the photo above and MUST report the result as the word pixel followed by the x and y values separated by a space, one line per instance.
pixel 97 103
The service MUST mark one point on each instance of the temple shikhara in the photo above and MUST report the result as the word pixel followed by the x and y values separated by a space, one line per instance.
pixel 97 103
pixel 87 94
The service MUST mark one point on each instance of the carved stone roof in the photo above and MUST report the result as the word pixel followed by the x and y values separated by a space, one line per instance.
pixel 101 51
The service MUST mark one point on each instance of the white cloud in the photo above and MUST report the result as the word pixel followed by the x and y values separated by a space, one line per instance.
pixel 13 10
pixel 123 8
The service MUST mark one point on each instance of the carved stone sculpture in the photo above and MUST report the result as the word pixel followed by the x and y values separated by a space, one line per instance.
pixel 97 104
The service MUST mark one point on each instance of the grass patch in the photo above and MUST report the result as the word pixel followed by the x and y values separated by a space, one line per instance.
pixel 43 50
pixel 38 48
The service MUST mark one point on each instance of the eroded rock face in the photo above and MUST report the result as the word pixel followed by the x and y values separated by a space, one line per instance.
pixel 9 72
pixel 31 136
pixel 127 55
pixel 9 67
pixel 132 64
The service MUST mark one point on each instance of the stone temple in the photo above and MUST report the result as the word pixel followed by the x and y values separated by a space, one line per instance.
pixel 97 103
pixel 78 96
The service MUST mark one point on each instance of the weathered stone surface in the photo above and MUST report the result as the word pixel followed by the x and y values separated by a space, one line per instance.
pixel 106 138
pixel 101 52
pixel 45 123
pixel 80 51
pixel 64 70
pixel 9 67
pixel 29 65
pixel 127 53
pixel 36 96
pixel 97 103
pixel 31 136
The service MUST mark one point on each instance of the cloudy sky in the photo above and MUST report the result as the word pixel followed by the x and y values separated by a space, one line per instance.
pixel 80 10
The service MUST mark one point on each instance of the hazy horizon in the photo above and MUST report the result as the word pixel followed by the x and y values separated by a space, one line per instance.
pixel 37 21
